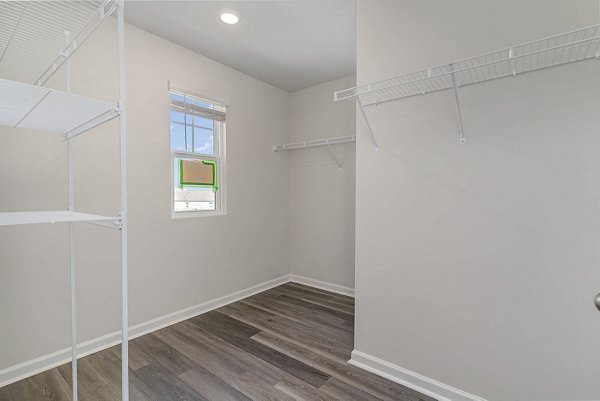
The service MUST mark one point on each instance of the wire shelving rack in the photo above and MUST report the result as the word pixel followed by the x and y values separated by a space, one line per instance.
pixel 319 142
pixel 34 34
pixel 578 45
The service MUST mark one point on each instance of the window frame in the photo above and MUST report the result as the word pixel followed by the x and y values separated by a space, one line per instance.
pixel 219 156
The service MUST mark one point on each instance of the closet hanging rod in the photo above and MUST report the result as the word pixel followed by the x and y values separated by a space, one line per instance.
pixel 317 142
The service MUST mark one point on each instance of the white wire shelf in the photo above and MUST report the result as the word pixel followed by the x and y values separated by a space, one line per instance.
pixel 317 142
pixel 61 216
pixel 35 107
pixel 32 34
pixel 582 44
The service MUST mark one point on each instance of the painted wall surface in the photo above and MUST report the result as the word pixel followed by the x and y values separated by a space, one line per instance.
pixel 174 263
pixel 322 195
pixel 477 264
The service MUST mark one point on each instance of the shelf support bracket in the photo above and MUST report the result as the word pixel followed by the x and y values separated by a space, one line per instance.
pixel 462 138
pixel 116 223
pixel 362 111
pixel 92 123
pixel 335 159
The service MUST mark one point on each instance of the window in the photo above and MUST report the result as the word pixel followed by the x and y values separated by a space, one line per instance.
pixel 197 155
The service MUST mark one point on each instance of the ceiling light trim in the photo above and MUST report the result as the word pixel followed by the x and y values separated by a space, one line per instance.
pixel 230 16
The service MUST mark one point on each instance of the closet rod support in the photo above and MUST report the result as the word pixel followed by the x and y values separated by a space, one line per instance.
pixel 362 111
pixel 335 159
pixel 462 139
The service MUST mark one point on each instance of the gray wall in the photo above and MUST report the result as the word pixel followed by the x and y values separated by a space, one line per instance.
pixel 322 196
pixel 174 264
pixel 477 264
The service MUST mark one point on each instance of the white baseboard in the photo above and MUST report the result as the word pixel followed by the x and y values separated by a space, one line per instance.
pixel 27 369
pixel 323 285
pixel 38 365
pixel 415 381
pixel 184 314
pixel 46 362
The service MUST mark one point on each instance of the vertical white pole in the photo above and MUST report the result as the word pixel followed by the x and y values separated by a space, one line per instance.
pixel 71 235
pixel 123 179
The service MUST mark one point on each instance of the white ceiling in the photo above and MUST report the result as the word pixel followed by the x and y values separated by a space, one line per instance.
pixel 291 44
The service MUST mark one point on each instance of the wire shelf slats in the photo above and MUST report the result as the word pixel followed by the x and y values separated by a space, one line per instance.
pixel 569 47
pixel 32 34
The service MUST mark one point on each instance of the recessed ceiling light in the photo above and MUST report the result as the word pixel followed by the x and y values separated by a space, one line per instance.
pixel 229 16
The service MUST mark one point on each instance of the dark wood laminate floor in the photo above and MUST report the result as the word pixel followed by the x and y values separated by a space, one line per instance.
pixel 289 343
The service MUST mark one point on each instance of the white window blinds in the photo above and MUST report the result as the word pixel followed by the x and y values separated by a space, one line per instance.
pixel 191 104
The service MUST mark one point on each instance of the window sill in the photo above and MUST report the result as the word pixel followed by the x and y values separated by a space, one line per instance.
pixel 186 215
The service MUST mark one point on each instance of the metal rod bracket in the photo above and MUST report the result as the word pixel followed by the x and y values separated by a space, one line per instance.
pixel 462 139
pixel 366 120
pixel 339 163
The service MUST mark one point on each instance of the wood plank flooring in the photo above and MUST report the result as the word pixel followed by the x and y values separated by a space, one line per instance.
pixel 289 343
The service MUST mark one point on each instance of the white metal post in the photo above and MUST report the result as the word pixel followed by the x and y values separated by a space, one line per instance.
pixel 462 139
pixel 71 197
pixel 123 182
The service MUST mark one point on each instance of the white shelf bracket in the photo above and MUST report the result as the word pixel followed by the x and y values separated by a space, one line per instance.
pixel 462 138
pixel 339 163
pixel 92 123
pixel 116 223
pixel 362 111
pixel 33 108
pixel 513 67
